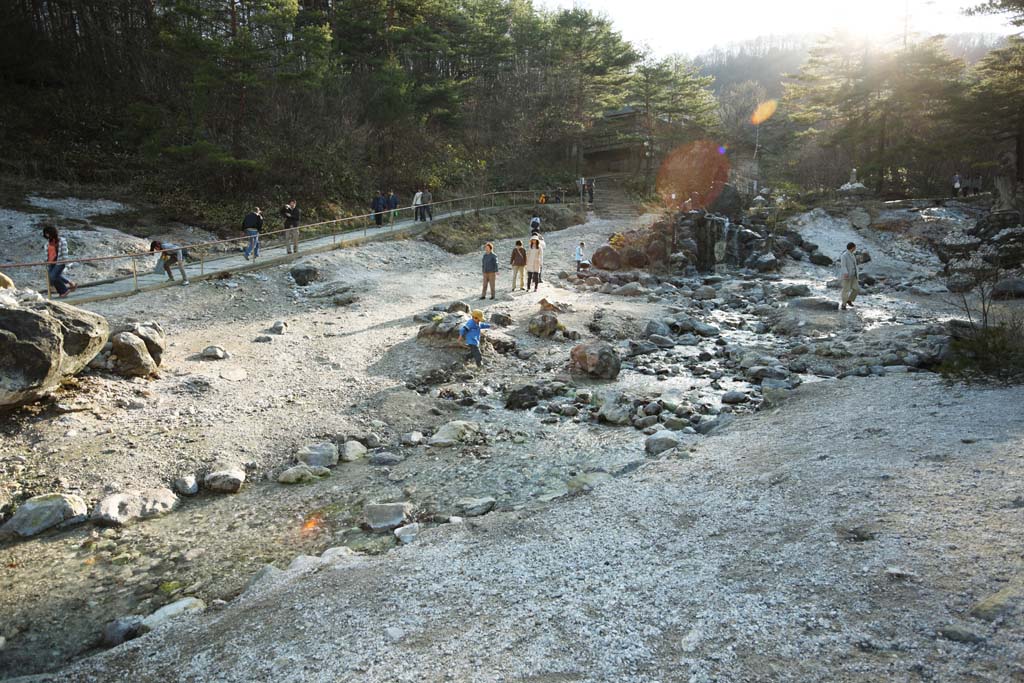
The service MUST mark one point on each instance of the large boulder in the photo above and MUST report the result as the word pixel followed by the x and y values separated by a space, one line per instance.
pixel 544 324
pixel 119 509
pixel 224 478
pixel 606 258
pixel 444 330
pixel 453 433
pixel 596 359
pixel 728 203
pixel 387 516
pixel 634 258
pixel 43 512
pixel 305 274
pixel 319 455
pixel 42 343
pixel 131 357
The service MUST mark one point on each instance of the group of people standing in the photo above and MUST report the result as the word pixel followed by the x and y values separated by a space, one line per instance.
pixel 527 262
pixel 387 206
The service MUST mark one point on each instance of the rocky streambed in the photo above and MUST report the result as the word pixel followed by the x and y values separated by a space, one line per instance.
pixel 693 353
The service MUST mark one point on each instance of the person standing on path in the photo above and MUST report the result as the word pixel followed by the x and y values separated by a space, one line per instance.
pixel 469 334
pixel 590 190
pixel 379 205
pixel 540 241
pixel 534 263
pixel 392 206
pixel 56 251
pixel 849 275
pixel 535 224
pixel 957 184
pixel 251 226
pixel 490 268
pixel 428 207
pixel 518 266
pixel 170 255
pixel 291 215
pixel 417 201
pixel 578 256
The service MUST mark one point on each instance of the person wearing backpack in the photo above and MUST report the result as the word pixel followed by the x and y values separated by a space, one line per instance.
pixel 56 256
pixel 169 255
pixel 378 206
pixel 251 226
pixel 535 223
pixel 518 262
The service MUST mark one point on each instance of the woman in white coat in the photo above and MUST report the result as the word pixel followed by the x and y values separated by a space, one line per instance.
pixel 534 263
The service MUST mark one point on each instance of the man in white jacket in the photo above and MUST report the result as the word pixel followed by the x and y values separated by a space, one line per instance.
pixel 848 274
pixel 417 204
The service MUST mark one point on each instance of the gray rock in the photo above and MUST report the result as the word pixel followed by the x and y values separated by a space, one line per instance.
pixel 766 263
pixel 39 513
pixel 630 289
pixel 796 290
pixel 596 359
pixel 131 357
pixel 458 307
pixel 215 353
pixel 656 327
pixel 386 516
pixel 705 293
pixel 661 342
pixel 352 451
pixel 305 274
pixel 319 454
pixel 122 630
pixel 152 334
pixel 705 330
pixel 301 474
pixel 615 410
pixel 385 459
pixel 708 426
pixel 124 508
pixel 225 478
pixel 500 319
pixel 661 441
pixel 172 611
pixel 454 432
pixel 820 259
pixel 412 438
pixel 279 327
pixel 544 324
pixel 264 339
pixel 408 533
pixel 734 398
pixel 1009 288
pixel 960 634
pixel 43 343
pixel 187 485
pixel 763 372
pixel 587 481
pixel 475 507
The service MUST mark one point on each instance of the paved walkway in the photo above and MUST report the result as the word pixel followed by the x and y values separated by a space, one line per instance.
pixel 272 252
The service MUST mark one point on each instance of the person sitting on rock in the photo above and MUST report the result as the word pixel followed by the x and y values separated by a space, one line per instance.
pixel 848 273
pixel 170 254
pixel 469 334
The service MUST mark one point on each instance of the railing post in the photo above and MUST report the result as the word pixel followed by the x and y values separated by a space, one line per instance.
pixel 49 290
pixel 135 273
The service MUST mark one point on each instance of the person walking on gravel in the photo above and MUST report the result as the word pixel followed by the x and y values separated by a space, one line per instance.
pixel 848 273
pixel 170 254
pixel 490 265
pixel 291 214
pixel 518 262
pixel 469 334
pixel 56 252
pixel 251 226
pixel 534 263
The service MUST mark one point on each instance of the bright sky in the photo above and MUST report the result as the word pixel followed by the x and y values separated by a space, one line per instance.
pixel 693 26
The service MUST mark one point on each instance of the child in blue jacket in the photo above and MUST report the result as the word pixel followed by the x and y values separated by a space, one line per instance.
pixel 469 334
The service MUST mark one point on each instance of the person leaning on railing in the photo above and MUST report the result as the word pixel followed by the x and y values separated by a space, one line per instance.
pixel 56 256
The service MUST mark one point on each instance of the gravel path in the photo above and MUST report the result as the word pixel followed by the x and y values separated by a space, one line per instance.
pixel 833 539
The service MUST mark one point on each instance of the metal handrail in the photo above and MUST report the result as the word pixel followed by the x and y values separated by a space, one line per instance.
pixel 265 234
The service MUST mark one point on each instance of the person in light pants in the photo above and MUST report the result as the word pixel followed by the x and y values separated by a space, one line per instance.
pixel 848 273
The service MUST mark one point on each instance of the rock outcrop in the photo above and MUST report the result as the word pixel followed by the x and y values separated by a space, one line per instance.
pixel 42 343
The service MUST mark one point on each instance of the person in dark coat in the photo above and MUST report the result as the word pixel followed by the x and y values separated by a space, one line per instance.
pixel 392 206
pixel 379 205
pixel 252 224
pixel 291 215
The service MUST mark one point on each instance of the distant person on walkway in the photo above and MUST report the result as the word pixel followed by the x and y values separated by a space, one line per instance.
pixel 543 199
pixel 469 334
pixel 57 250
pixel 579 257
pixel 252 224
pixel 379 205
pixel 976 187
pixel 535 223
pixel 518 262
pixel 171 254
pixel 590 190
pixel 392 206
pixel 534 263
pixel 957 183
pixel 490 268
pixel 558 196
pixel 291 214
pixel 417 204
pixel 849 277
pixel 428 206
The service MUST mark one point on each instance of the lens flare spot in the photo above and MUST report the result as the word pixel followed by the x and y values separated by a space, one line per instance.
pixel 723 150
pixel 764 111
pixel 692 176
